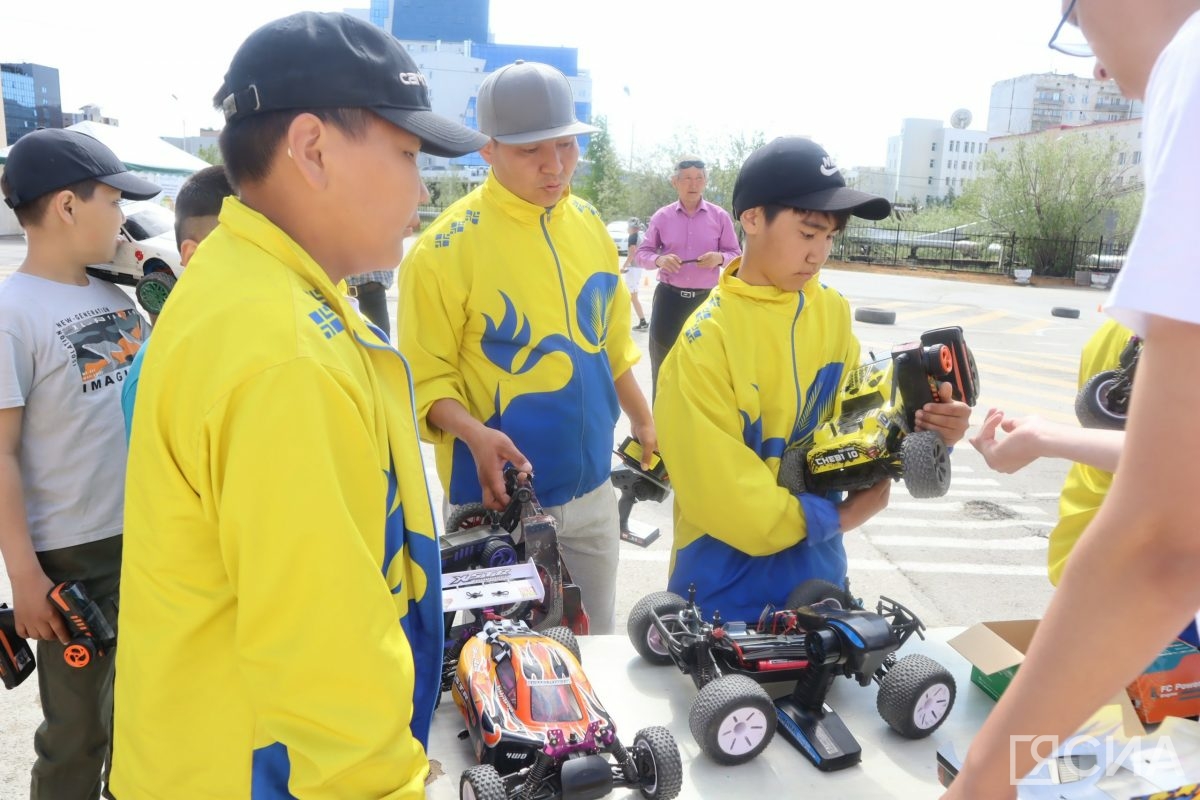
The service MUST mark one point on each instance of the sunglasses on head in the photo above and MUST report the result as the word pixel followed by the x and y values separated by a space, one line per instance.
pixel 689 164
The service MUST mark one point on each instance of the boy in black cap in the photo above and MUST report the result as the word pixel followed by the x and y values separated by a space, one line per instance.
pixel 66 343
pixel 281 608
pixel 758 367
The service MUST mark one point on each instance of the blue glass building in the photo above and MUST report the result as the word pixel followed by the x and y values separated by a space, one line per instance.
pixel 434 20
pixel 31 99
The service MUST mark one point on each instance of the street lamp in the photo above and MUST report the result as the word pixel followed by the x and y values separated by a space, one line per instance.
pixel 632 120
pixel 183 122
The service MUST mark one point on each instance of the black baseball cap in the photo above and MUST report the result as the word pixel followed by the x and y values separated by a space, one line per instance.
pixel 796 172
pixel 334 60
pixel 49 159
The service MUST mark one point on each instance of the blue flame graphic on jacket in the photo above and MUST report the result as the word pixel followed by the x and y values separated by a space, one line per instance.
pixel 565 432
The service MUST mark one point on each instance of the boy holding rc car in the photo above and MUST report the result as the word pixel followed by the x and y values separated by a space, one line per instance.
pixel 758 367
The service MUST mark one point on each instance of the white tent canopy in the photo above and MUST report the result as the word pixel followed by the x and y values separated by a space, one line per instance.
pixel 141 152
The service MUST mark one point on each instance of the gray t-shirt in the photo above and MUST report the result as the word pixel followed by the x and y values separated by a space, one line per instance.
pixel 64 351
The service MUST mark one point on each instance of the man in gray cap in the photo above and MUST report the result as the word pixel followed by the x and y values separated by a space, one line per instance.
pixel 516 325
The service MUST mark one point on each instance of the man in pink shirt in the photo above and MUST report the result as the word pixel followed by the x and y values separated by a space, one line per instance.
pixel 688 242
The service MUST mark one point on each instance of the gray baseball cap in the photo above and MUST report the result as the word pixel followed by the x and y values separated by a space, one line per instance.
pixel 527 102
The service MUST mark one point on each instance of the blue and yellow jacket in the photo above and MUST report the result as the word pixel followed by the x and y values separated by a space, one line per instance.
pixel 754 369
pixel 1086 486
pixel 518 312
pixel 280 622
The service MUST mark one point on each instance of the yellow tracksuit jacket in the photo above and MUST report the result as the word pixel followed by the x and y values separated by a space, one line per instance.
pixel 280 622
pixel 518 312
pixel 1085 486
pixel 754 369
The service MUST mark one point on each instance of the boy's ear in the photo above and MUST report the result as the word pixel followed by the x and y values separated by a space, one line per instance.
pixel 305 147
pixel 63 205
pixel 486 152
pixel 186 251
pixel 753 220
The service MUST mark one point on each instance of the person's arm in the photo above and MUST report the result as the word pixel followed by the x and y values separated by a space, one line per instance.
pixel 430 319
pixel 1133 575
pixel 720 483
pixel 650 252
pixel 491 449
pixel 1031 438
pixel 34 615
pixel 311 568
pixel 728 244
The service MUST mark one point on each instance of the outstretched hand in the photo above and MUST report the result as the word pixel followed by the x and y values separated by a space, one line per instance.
pixel 1020 448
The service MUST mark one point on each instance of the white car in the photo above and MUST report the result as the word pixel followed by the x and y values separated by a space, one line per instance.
pixel 147 257
pixel 619 231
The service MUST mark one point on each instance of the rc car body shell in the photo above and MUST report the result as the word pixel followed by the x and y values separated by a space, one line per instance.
pixel 520 692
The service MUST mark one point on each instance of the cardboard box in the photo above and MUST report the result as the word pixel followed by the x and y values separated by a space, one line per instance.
pixel 996 650
pixel 1170 686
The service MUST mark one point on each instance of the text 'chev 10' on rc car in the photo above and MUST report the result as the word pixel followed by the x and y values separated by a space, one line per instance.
pixel 538 729
pixel 875 436
pixel 823 633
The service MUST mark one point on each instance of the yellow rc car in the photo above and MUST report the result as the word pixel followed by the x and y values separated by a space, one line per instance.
pixel 875 437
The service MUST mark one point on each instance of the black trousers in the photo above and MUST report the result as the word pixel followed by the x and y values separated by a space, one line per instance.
pixel 670 310
pixel 372 301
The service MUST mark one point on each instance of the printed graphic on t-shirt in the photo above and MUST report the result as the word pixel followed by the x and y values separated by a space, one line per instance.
pixel 102 344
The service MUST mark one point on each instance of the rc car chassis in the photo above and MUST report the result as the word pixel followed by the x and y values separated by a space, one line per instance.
pixel 733 718
pixel 477 538
pixel 875 437
pixel 538 729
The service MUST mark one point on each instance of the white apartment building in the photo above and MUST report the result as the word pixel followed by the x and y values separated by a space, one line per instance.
pixel 929 160
pixel 873 180
pixel 1032 103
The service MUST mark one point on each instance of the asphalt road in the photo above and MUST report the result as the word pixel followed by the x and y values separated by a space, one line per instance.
pixel 977 554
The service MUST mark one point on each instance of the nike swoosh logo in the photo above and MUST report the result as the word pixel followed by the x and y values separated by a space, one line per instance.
pixel 829 172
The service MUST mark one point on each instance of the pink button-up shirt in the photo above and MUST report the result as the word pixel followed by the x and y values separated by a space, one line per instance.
pixel 673 231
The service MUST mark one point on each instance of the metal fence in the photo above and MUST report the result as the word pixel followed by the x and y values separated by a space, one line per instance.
pixel 998 254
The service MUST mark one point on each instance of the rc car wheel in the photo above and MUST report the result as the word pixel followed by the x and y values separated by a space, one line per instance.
pixel 814 590
pixel 469 516
pixel 793 468
pixel 152 290
pixel 1096 406
pixel 1064 312
pixel 497 553
pixel 876 315
pixel 916 696
pixel 732 719
pixel 481 782
pixel 660 770
pixel 926 463
pixel 566 637
pixel 640 627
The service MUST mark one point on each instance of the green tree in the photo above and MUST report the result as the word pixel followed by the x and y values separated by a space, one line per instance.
pixel 603 182
pixel 1053 194
pixel 649 183
pixel 210 153
pixel 446 189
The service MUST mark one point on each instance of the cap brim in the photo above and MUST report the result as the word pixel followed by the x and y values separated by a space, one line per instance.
pixel 841 198
pixel 439 136
pixel 574 129
pixel 131 186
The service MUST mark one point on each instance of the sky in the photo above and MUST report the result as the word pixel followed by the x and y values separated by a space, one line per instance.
pixel 845 72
